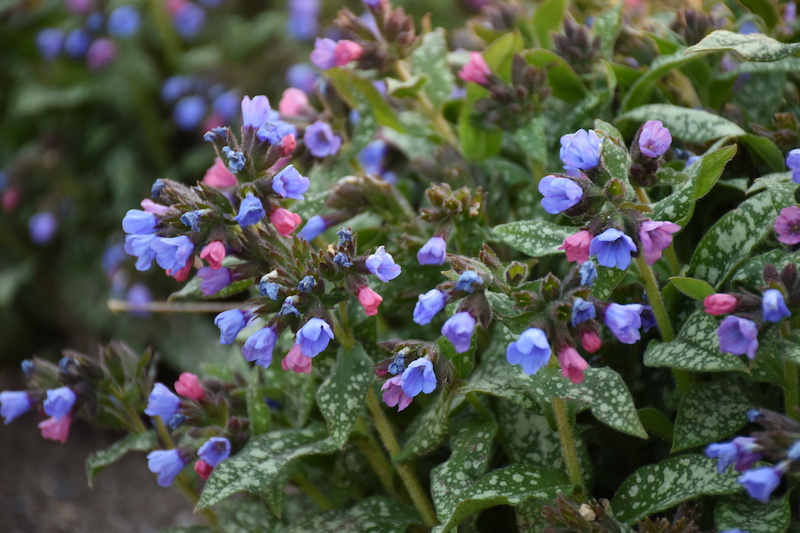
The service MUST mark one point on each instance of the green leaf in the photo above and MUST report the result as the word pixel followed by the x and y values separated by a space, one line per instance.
pixel 257 408
pixel 261 461
pixel 548 19
pixel 693 288
pixel 430 429
pixel 429 60
pixel 751 273
pixel 752 46
pixel 743 512
pixel 656 423
pixel 696 348
pixel 341 395
pixel 135 442
pixel 377 514
pixel 760 96
pixel 516 388
pixel 507 486
pixel 244 515
pixel 532 139
pixel 500 54
pixel 705 172
pixel 534 237
pixel 639 93
pixel 660 486
pixel 607 26
pixel 709 412
pixel 789 64
pixel 607 280
pixel 190 529
pixel 615 161
pixel 764 149
pixel 462 362
pixel 566 84
pixel 353 89
pixel 477 143
pixel 690 125
pixel 764 9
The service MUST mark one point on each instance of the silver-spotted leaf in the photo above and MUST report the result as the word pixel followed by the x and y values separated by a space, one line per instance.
pixel 709 412
pixel 376 514
pixel 752 46
pixel 745 513
pixel 534 237
pixel 691 125
pixel 135 442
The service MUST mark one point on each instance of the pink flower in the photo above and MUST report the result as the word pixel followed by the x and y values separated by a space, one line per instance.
pixel 151 207
pixel 11 198
pixel 203 469
pixel 296 361
pixel 346 51
pixel 590 341
pixel 288 144
pixel 572 364
pixel 655 237
pixel 285 221
pixel 294 103
pixel 219 176
pixel 788 225
pixel 53 429
pixel 393 393
pixel 370 300
pixel 183 273
pixel 577 247
pixel 189 386
pixel 476 70
pixel 214 253
pixel 719 304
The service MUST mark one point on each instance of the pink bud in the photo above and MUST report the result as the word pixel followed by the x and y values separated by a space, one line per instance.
pixel 151 207
pixel 285 221
pixel 346 51
pixel 183 273
pixel 288 144
pixel 214 253
pixel 189 386
pixel 719 304
pixel 203 469
pixel 11 198
pixel 590 341
pixel 53 429
pixel 219 176
pixel 572 364
pixel 214 120
pixel 173 6
pixel 370 300
pixel 294 102
pixel 476 70
pixel 577 247
pixel 296 361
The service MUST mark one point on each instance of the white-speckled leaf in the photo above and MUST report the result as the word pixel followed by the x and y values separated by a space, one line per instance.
pixel 462 362
pixel 376 515
pixel 686 124
pixel 607 26
pixel 430 429
pixel 654 488
pixel 262 459
pixel 515 387
pixel 135 442
pixel 534 237
pixel 789 64
pixel 244 515
pixel 257 409
pixel 751 273
pixel 752 46
pixel 607 280
pixel 532 139
pixel 709 412
pixel 677 207
pixel 615 161
pixel 430 61
pixel 341 395
pixel 745 513
pixel 506 486
pixel 695 348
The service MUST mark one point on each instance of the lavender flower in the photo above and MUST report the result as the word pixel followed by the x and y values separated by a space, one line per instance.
pixel 290 184
pixel 49 42
pixel 314 337
pixel 580 150
pixel 433 252
pixel 655 237
pixel 531 351
pixel 139 246
pixel 774 307
pixel 582 311
pixel 230 323
pixel 215 450
pixel 428 305
pixel 76 43
pixel 139 222
pixel 323 54
pixel 188 20
pixel 458 329
pixel 100 54
pixel 255 112
pixel 624 322
pixel 123 22
pixel 742 452
pixel 613 249
pixel 321 141
pixel 189 112
pixel 418 377
pixel 313 228
pixel 251 211
pixel 738 336
pixel 303 15
pixel 787 225
pixel 382 265
pixel 654 139
pixel 42 227
pixel 14 404
pixel 162 402
pixel 59 402
pixel 588 273
pixel 760 482
pixel 793 162
pixel 214 281
pixel 167 464
pixel 258 347
pixel 559 194
pixel 172 252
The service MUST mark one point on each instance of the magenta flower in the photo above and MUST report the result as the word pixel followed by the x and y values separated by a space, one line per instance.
pixel 788 225
pixel 393 394
pixel 572 364
pixel 719 304
pixel 577 247
pixel 655 237
pixel 476 70
pixel 655 139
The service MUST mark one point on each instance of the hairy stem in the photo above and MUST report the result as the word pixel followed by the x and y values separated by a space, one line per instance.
pixel 312 492
pixel 124 306
pixel 567 442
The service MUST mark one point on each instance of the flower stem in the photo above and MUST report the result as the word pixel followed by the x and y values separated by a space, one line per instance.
pixel 312 492
pixel 376 458
pixel 478 405
pixel 412 484
pixel 567 442
pixel 124 306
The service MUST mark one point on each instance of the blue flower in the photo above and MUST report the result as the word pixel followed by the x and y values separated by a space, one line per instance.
pixel 123 22
pixel 14 404
pixel 342 260
pixel 467 281
pixel 323 54
pixel 269 289
pixel 49 42
pixel 624 322
pixel 42 227
pixel 59 402
pixel 314 337
pixel 301 76
pixel 189 111
pixel 760 482
pixel 251 211
pixel 314 227
pixel 580 150
pixel 458 329
pixel 371 157
pixel 176 86
pixel 588 273
pixel 76 43
pixel 139 222
pixel 189 20
pixel 741 452
pixel 191 219
pixel 258 347
pixel 793 452
pixel 559 194
pixel 214 281
pixel 176 421
pixel 320 140
pixel 214 451
pixel 139 247
pixel 307 284
pixel 162 402
pixel 216 133
pixel 531 350
pixel 428 305
pixel 236 159
pixel 230 323
pixel 288 307
pixel 613 249
pixel 290 184
pixel 273 132
pixel 793 162
pixel 226 105
pixel 433 252
pixel 382 265
pixel 582 311
pixel 418 377
pixel 167 464
pixel 738 336
pixel 303 15
pixel 774 307
pixel 172 252
pixel 399 364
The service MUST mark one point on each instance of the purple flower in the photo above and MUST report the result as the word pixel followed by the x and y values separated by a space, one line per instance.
pixel 123 21
pixel 382 265
pixel 655 237
pixel 433 252
pixel 372 3
pixel 189 112
pixel 42 227
pixel 580 150
pixel 138 296
pixel 320 140
pixel 323 54
pixel 371 157
pixel 172 252
pixel 531 350
pixel 738 336
pixel 314 337
pixel 255 112
pixel 230 323
pixel 289 183
pixel 189 20
pixel 258 347
pixel 139 222
pixel 613 249
pixel 741 452
pixel 162 402
pixel 559 194
pixel 393 394
pixel 76 43
pixel 227 105
pixel 624 322
pixel 214 451
pixel 251 211
pixel 314 227
pixel 167 464
pixel 773 306
pixel 428 305
pixel 139 247
pixel 214 281
pixel 458 329
pixel 654 139
pixel 793 162
pixel 468 281
pixel 273 132
pixel 59 402
pixel 100 54
pixel 301 76
pixel 788 225
pixel 760 482
pixel 14 404
pixel 418 377
pixel 175 87
pixel 582 311
pixel 303 15
pixel 49 41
